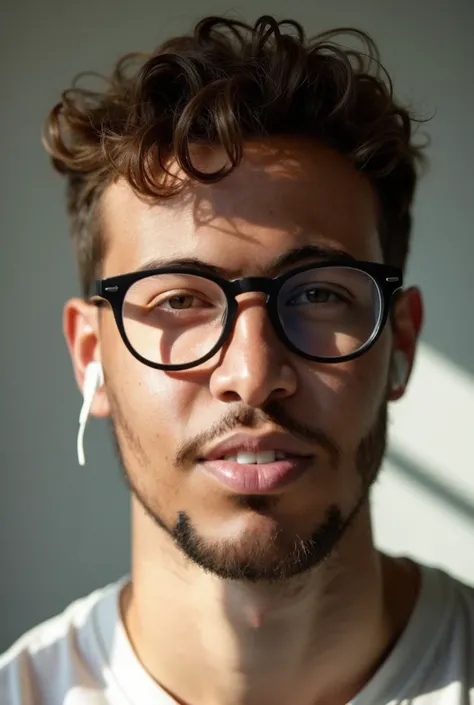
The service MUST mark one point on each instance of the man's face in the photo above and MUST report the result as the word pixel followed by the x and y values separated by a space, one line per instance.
pixel 285 195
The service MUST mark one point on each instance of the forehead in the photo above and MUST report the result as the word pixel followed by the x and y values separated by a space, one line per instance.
pixel 284 195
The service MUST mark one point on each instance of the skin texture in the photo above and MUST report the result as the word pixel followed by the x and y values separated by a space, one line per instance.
pixel 316 634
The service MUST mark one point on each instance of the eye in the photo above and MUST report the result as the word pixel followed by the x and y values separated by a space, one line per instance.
pixel 179 301
pixel 315 295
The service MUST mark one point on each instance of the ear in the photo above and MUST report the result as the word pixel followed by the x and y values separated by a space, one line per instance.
pixel 407 322
pixel 81 330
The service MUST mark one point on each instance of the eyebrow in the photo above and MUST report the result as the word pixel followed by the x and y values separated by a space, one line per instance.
pixel 291 257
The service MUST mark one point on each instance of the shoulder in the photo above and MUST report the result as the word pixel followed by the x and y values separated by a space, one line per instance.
pixel 432 662
pixel 57 655
pixel 447 604
pixel 460 624
pixel 449 668
pixel 461 600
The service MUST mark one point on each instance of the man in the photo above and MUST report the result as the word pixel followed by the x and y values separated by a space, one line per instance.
pixel 243 199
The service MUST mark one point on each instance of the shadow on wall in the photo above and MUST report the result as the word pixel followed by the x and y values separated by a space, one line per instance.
pixel 424 499
pixel 458 502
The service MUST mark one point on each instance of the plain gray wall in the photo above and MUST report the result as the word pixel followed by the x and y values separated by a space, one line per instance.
pixel 63 529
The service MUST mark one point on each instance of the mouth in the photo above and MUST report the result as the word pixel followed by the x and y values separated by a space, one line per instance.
pixel 249 465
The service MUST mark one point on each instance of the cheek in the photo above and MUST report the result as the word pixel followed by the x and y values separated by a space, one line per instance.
pixel 155 407
pixel 347 397
pixel 170 401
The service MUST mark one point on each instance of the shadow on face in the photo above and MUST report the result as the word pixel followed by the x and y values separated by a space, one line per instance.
pixel 285 195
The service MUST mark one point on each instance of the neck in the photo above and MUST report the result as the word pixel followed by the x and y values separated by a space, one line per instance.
pixel 317 638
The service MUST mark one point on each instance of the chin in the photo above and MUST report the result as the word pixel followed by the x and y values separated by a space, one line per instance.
pixel 256 547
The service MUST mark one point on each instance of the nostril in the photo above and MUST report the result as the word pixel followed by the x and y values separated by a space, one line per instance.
pixel 230 397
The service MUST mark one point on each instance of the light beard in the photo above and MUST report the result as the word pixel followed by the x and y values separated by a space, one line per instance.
pixel 275 555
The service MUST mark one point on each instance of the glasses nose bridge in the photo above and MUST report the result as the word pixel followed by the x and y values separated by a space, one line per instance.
pixel 247 285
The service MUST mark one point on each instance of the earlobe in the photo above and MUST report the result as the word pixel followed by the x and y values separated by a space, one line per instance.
pixel 416 309
pixel 80 325
pixel 407 323
pixel 399 372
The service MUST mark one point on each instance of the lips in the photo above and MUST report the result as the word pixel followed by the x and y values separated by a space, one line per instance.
pixel 254 465
pixel 242 442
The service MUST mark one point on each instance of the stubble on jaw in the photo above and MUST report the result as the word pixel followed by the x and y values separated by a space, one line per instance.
pixel 279 557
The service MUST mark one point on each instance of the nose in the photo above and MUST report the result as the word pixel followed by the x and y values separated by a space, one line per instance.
pixel 255 367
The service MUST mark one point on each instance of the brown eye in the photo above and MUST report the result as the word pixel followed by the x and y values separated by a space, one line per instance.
pixel 180 302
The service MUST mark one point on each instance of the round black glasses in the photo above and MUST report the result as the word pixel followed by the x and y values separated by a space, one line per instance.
pixel 178 317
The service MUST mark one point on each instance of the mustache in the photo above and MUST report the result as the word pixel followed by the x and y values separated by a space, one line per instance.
pixel 251 418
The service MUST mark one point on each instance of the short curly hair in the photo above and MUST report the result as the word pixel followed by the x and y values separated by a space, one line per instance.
pixel 225 83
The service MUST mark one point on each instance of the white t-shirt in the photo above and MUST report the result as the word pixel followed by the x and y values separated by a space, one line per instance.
pixel 83 656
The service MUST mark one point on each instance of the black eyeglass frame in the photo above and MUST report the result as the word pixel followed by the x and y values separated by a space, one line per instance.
pixel 113 290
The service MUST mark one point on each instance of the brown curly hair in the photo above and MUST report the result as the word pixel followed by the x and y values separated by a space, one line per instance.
pixel 225 83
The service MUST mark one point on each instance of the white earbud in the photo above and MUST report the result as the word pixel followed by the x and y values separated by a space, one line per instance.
pixel 399 372
pixel 93 379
